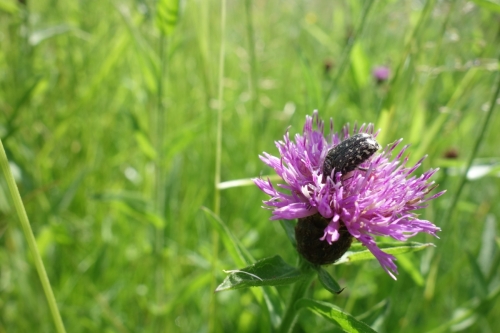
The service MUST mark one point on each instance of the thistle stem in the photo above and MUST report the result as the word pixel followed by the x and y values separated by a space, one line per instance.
pixel 30 238
pixel 298 291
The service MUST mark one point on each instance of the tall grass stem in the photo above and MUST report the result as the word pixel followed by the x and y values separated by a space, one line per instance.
pixel 218 155
pixel 159 169
pixel 220 107
pixel 30 238
pixel 254 88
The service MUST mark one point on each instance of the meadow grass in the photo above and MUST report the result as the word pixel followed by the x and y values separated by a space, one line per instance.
pixel 111 129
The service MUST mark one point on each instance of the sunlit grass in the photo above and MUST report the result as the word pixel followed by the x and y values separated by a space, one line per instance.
pixel 78 97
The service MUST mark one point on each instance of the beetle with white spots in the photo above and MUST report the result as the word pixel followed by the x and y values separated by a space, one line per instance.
pixel 349 154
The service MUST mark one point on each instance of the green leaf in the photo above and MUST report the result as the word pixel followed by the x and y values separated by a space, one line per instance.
pixel 359 252
pixel 167 15
pixel 38 36
pixel 410 266
pixel 494 7
pixel 133 204
pixel 9 6
pixel 289 227
pixel 478 277
pixel 145 145
pixel 377 314
pixel 328 281
pixel 273 271
pixel 242 257
pixel 235 249
pixel 346 321
pixel 359 65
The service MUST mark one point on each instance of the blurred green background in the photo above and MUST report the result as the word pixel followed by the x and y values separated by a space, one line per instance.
pixel 110 124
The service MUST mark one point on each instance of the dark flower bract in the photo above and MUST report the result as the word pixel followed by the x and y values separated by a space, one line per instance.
pixel 377 199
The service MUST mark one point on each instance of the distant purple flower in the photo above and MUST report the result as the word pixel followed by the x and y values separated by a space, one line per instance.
pixel 378 201
pixel 381 73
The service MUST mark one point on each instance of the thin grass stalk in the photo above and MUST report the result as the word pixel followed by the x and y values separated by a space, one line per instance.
pixel 30 238
pixel 204 34
pixel 254 89
pixel 159 167
pixel 220 107
pixel 218 154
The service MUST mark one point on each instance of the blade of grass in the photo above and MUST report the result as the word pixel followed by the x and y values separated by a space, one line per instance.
pixel 30 238
pixel 334 314
pixel 218 153
pixel 254 88
pixel 159 119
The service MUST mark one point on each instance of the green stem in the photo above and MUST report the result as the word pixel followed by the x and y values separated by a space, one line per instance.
pixel 159 190
pixel 253 79
pixel 30 238
pixel 298 291
pixel 218 154
pixel 254 88
pixel 220 100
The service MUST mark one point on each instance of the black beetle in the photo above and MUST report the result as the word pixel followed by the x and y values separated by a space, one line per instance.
pixel 349 154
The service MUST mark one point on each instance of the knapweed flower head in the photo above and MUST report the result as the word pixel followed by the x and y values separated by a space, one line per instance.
pixel 377 198
pixel 381 73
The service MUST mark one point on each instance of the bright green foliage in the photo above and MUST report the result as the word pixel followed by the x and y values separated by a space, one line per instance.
pixel 328 281
pixel 167 15
pixel 109 123
pixel 266 272
pixel 333 313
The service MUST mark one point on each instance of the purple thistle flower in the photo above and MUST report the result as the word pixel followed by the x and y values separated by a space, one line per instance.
pixel 376 201
pixel 381 73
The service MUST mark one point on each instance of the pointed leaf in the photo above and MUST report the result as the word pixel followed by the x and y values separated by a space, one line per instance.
pixel 328 281
pixel 358 252
pixel 272 271
pixel 346 321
